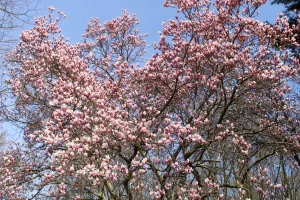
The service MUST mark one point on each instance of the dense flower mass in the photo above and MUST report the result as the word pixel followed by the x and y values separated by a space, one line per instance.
pixel 207 117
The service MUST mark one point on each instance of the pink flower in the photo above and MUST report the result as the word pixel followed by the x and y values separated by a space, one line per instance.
pixel 51 8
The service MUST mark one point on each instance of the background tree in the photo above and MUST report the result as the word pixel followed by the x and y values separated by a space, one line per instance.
pixel 292 11
pixel 291 8
pixel 205 118
pixel 13 15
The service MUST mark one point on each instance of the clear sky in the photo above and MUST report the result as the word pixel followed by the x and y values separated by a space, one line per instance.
pixel 150 13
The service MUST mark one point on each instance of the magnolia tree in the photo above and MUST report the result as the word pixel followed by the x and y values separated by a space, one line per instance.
pixel 205 118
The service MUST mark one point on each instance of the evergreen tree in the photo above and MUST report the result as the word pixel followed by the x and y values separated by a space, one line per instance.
pixel 292 10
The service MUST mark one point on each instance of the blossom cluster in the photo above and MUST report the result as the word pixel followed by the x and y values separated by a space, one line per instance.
pixel 202 118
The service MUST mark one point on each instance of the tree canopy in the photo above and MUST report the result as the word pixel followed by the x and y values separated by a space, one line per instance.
pixel 206 117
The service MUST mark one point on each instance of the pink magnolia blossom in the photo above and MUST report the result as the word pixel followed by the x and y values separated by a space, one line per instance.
pixel 205 117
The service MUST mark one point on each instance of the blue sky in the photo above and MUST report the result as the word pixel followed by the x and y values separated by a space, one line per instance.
pixel 150 13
